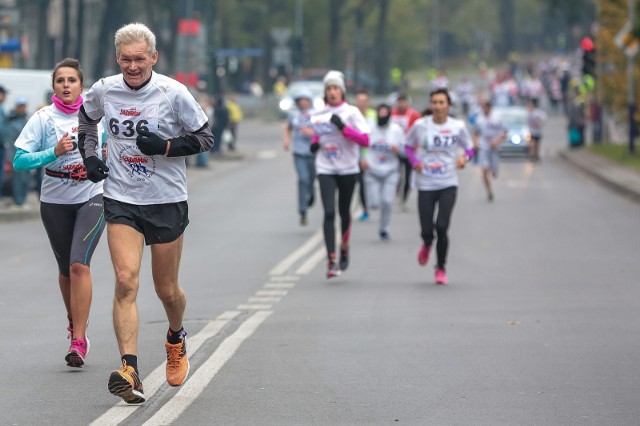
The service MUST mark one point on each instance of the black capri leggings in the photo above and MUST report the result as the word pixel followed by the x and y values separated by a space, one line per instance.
pixel 427 200
pixel 345 184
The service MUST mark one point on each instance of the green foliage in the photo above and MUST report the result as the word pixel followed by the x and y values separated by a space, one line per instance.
pixel 613 61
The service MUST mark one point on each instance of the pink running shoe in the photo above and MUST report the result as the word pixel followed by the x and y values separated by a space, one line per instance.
pixel 332 270
pixel 441 276
pixel 77 352
pixel 423 255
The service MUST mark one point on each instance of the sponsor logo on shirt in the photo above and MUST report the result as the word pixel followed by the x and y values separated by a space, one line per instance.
pixel 140 168
pixel 131 112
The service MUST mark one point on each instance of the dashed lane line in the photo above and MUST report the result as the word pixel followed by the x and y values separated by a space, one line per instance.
pixel 311 262
pixel 288 261
pixel 193 387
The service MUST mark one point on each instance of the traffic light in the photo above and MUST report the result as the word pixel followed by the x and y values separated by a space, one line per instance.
pixel 589 63
pixel 588 57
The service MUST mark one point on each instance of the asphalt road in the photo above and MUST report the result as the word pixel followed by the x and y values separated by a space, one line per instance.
pixel 538 326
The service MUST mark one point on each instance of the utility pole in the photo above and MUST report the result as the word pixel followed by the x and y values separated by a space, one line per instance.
pixel 298 41
pixel 435 34
pixel 631 88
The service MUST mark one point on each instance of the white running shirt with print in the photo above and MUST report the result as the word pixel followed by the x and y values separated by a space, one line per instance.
pixel 43 131
pixel 337 154
pixel 163 106
pixel 437 146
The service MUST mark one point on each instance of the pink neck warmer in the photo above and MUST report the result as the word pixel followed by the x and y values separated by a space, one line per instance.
pixel 67 109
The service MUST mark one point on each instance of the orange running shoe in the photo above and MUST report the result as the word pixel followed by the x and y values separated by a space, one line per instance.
pixel 177 362
pixel 126 384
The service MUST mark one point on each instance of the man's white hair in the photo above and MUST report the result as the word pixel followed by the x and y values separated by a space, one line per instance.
pixel 132 33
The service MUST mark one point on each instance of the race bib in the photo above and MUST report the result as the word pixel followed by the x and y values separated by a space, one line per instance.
pixel 331 151
pixel 126 121
pixel 434 167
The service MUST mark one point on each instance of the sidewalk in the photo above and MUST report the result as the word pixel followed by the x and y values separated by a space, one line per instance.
pixel 11 213
pixel 620 179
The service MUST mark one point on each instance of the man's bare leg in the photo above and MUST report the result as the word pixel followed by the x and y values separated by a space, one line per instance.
pixel 125 245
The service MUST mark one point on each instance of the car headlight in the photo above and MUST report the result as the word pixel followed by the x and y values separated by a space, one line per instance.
pixel 285 104
pixel 516 139
pixel 318 104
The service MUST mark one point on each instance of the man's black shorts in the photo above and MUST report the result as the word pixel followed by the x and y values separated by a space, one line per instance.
pixel 159 223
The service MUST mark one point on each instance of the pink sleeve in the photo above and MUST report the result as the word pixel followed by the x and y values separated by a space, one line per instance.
pixel 315 138
pixel 353 135
pixel 411 155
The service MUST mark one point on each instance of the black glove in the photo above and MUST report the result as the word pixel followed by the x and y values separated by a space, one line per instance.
pixel 96 169
pixel 337 121
pixel 314 147
pixel 150 143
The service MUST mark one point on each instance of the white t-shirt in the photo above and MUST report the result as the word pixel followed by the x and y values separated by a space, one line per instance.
pixel 535 120
pixel 43 131
pixel 383 162
pixel 337 154
pixel 165 107
pixel 487 129
pixel 436 146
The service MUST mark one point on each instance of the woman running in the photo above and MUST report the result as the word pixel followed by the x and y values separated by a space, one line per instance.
pixel 71 205
pixel 432 147
pixel 299 130
pixel 339 131
pixel 381 166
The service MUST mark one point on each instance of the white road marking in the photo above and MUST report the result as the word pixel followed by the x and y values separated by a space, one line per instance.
pixel 267 154
pixel 279 285
pixel 272 293
pixel 288 261
pixel 311 262
pixel 285 278
pixel 153 381
pixel 264 299
pixel 195 385
pixel 254 307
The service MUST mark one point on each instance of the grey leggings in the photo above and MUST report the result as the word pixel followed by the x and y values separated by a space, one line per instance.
pixel 74 230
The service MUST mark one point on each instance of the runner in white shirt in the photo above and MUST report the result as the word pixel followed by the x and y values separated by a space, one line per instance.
pixel 535 119
pixel 381 166
pixel 298 130
pixel 153 122
pixel 432 147
pixel 340 130
pixel 71 205
pixel 489 133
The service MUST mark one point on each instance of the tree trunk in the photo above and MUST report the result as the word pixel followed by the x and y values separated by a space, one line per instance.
pixel 381 42
pixel 66 36
pixel 506 22
pixel 111 21
pixel 79 29
pixel 334 34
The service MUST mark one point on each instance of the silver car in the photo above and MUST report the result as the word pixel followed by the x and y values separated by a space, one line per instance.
pixel 316 88
pixel 514 119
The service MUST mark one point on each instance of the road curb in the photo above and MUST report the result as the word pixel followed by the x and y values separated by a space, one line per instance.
pixel 597 167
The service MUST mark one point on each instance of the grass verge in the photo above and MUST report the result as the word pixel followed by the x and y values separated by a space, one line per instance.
pixel 618 153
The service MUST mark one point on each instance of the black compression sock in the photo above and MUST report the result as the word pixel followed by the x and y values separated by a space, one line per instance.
pixel 175 337
pixel 131 361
